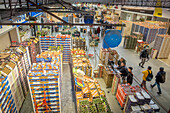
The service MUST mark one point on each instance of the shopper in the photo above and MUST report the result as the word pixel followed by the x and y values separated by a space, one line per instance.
pixel 143 56
pixel 160 78
pixel 98 31
pixel 120 61
pixel 130 76
pixel 146 73
pixel 123 71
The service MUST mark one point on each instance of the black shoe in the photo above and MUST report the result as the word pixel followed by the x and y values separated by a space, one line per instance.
pixel 159 93
pixel 142 67
pixel 139 64
pixel 151 85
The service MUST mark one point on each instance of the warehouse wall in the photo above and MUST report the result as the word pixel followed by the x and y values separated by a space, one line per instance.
pixel 4 41
pixel 14 36
pixel 101 1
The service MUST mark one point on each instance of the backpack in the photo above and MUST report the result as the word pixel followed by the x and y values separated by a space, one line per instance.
pixel 149 77
pixel 144 54
pixel 162 78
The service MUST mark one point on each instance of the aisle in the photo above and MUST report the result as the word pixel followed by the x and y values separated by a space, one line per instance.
pixel 67 99
pixel 27 105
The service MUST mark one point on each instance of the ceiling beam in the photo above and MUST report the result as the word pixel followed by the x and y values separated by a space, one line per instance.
pixel 39 7
pixel 74 24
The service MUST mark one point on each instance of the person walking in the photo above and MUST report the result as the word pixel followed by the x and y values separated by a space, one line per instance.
pixel 130 76
pixel 146 74
pixel 160 78
pixel 143 56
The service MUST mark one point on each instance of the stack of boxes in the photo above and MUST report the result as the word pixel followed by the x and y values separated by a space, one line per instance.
pixel 83 64
pixel 148 30
pixel 140 102
pixel 10 72
pixel 80 61
pixel 65 42
pixel 162 46
pixel 79 42
pixel 108 76
pixel 106 54
pixel 116 81
pixel 130 42
pixel 123 91
pixel 22 72
pixel 7 104
pixel 61 41
pixel 44 81
pixel 46 42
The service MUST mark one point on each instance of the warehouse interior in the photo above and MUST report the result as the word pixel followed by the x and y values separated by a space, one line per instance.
pixel 83 56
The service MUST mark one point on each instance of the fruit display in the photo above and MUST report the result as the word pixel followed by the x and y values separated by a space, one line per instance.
pixel 97 101
pixel 92 108
pixel 84 102
pixel 83 109
pixel 77 51
pixel 101 108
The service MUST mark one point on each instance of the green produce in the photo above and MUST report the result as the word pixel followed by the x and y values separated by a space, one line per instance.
pixel 84 102
pixel 83 109
pixel 101 108
pixel 92 108
pixel 97 101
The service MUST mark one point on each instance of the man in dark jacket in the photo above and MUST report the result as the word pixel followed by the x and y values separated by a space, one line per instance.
pixel 158 79
pixel 130 76
pixel 120 61
pixel 123 71
pixel 143 56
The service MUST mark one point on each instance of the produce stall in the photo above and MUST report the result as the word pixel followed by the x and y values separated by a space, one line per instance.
pixel 80 61
pixel 90 97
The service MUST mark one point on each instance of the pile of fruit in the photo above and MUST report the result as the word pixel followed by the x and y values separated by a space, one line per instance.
pixel 83 109
pixel 92 108
pixel 97 106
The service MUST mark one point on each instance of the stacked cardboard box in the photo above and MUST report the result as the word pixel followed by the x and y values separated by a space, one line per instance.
pixel 162 46
pixel 116 81
pixel 44 83
pixel 148 30
pixel 130 42
pixel 108 77
pixel 10 70
pixel 22 71
pixel 7 104
pixel 106 54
